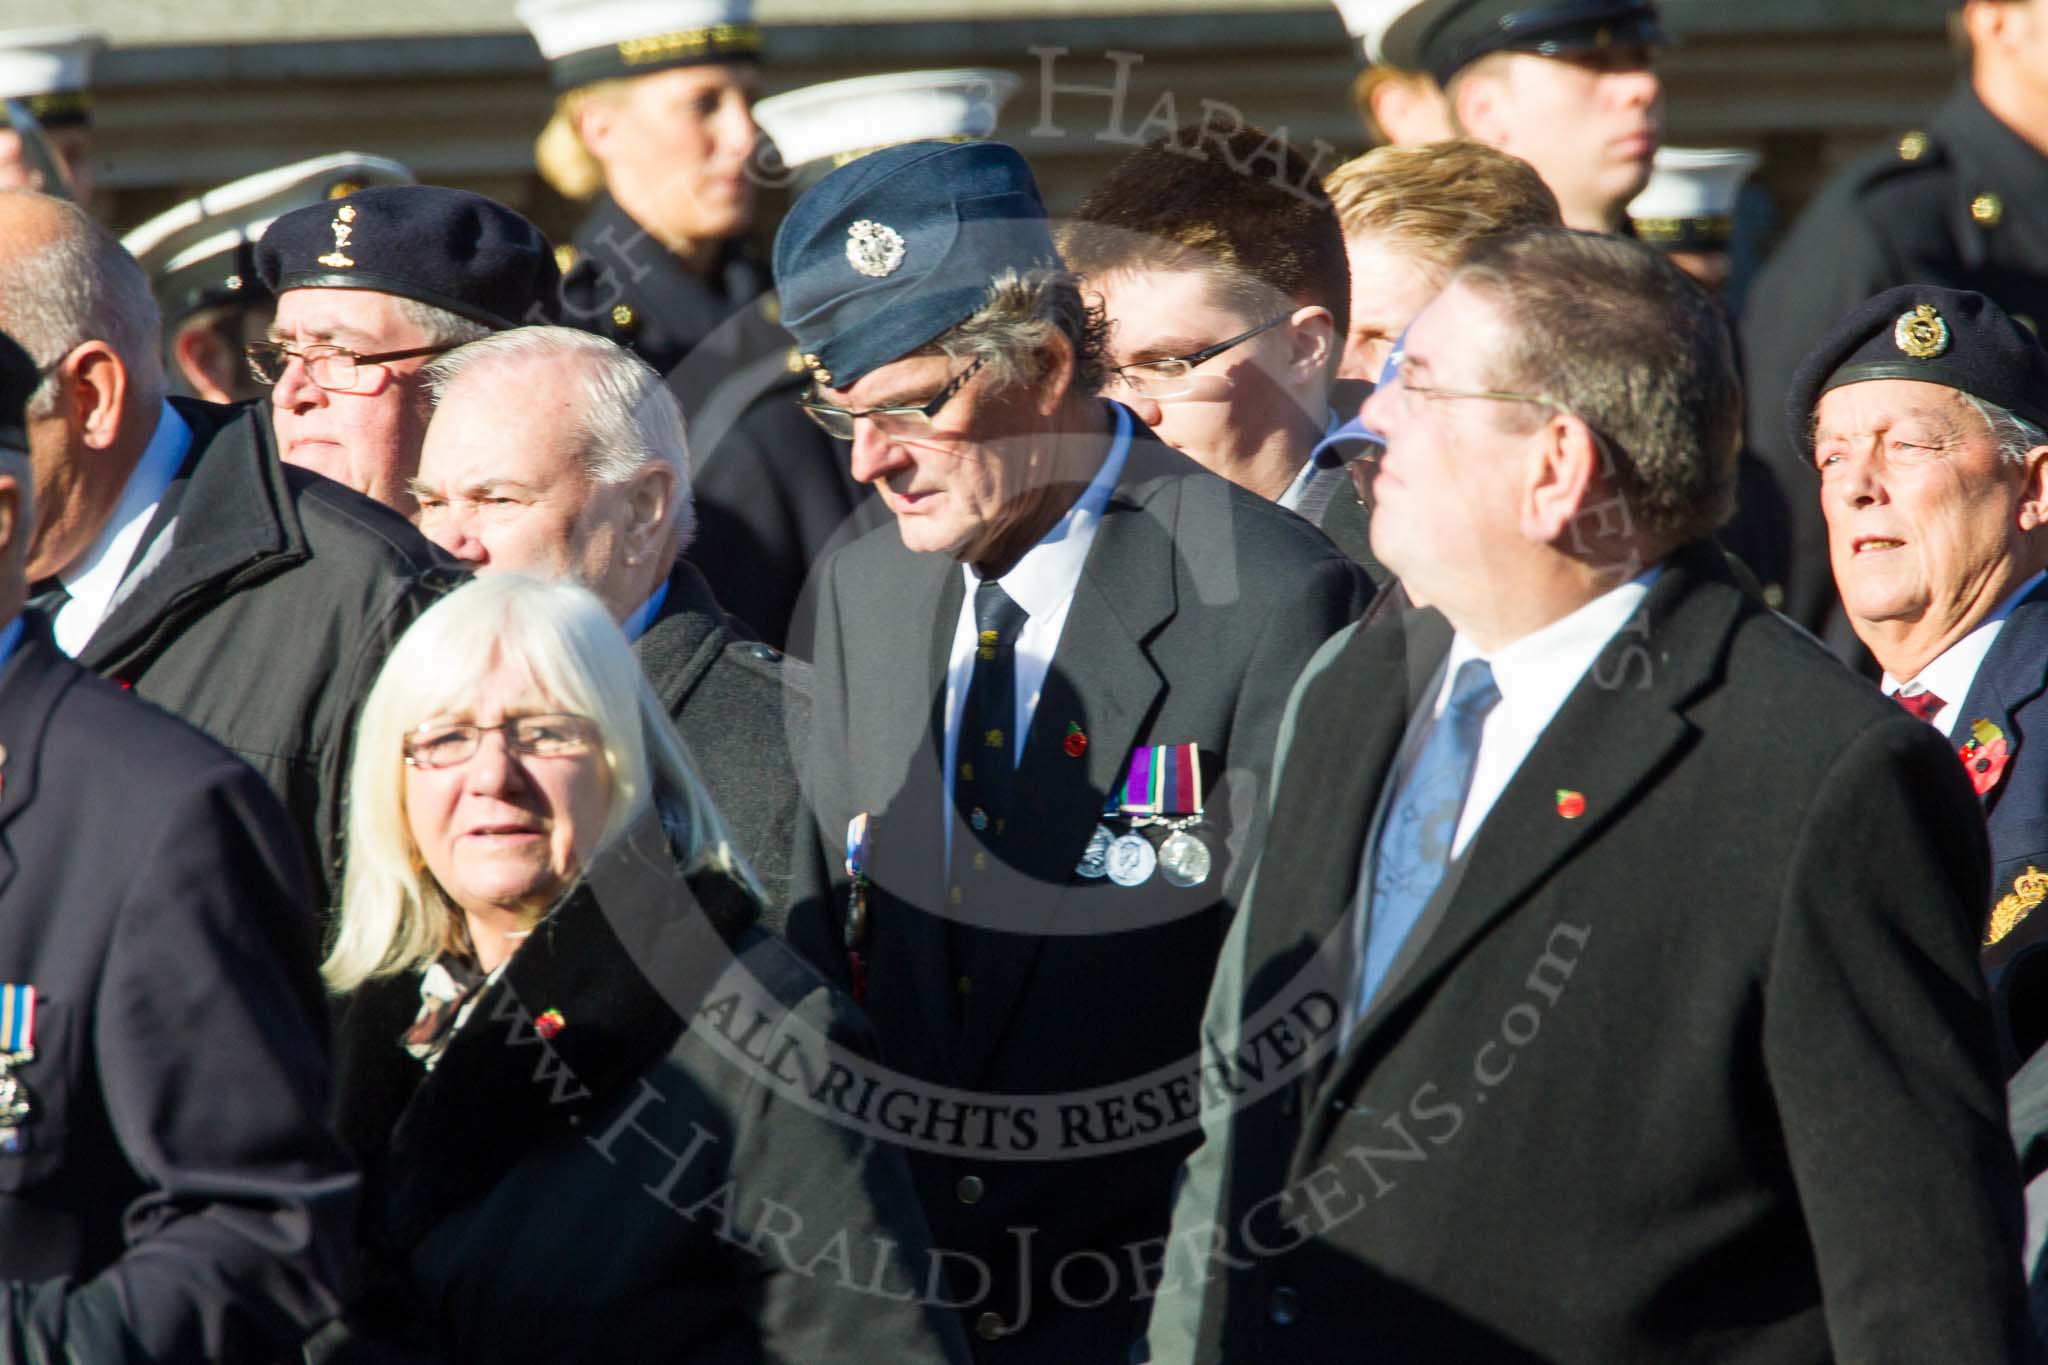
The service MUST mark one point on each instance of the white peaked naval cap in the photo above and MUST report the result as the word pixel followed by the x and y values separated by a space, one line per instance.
pixel 841 119
pixel 1369 20
pixel 1690 200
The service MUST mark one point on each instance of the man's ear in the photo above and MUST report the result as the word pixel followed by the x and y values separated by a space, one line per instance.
pixel 207 362
pixel 2033 510
pixel 650 499
pixel 1059 373
pixel 14 526
pixel 95 385
pixel 1475 105
pixel 1315 337
pixel 1563 479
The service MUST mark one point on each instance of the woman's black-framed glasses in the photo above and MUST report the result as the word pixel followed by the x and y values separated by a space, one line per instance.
pixel 445 745
pixel 1168 377
pixel 911 420
pixel 334 368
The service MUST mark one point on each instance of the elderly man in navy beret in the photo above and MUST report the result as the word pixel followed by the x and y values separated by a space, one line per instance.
pixel 369 288
pixel 1046 703
pixel 1925 412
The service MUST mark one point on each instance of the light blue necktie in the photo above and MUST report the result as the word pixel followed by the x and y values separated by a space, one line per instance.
pixel 1415 840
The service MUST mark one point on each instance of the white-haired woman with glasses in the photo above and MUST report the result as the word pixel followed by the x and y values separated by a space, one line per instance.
pixel 547 964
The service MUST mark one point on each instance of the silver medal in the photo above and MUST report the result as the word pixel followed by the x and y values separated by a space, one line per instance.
pixel 1131 860
pixel 1094 864
pixel 1184 859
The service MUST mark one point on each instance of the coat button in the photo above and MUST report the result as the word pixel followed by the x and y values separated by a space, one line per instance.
pixel 970 1189
pixel 767 654
pixel 1284 1308
pixel 988 1326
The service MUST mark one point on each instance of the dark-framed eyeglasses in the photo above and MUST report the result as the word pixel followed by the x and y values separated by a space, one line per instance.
pixel 1168 377
pixel 443 745
pixel 335 368
pixel 909 420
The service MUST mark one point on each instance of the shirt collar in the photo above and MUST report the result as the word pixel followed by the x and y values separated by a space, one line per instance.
pixel 636 625
pixel 96 575
pixel 1050 570
pixel 1538 671
pixel 1951 672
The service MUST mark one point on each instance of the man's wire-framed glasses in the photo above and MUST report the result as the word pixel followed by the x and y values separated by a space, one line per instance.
pixel 331 367
pixel 1168 377
pixel 443 745
pixel 908 420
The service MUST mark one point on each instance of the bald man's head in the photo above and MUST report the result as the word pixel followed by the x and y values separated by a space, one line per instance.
pixel 65 280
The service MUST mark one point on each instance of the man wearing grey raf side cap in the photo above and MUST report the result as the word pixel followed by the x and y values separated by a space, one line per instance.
pixel 1045 704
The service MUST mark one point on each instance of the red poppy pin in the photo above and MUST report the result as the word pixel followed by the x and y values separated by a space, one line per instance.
pixel 1984 755
pixel 1571 805
pixel 549 1023
pixel 1076 743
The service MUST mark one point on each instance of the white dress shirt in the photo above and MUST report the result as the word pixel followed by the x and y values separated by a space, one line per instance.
pixel 636 625
pixel 1043 583
pixel 94 579
pixel 1534 675
pixel 1952 672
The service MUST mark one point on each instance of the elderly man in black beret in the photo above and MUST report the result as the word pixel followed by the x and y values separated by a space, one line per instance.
pixel 1046 700
pixel 1925 412
pixel 168 1188
pixel 369 288
pixel 172 551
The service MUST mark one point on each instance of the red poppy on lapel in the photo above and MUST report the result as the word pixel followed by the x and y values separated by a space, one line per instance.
pixel 550 1023
pixel 1984 755
pixel 1075 743
pixel 1571 805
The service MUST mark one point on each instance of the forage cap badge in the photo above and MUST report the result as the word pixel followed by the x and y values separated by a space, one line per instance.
pixel 874 249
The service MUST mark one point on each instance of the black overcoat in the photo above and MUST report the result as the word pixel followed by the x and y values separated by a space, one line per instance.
pixel 743 708
pixel 1690 1058
pixel 1198 604
pixel 179 1197
pixel 263 604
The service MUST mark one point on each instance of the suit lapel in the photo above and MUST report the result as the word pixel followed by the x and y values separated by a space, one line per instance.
pixel 34 678
pixel 1617 730
pixel 1103 682
pixel 2013 673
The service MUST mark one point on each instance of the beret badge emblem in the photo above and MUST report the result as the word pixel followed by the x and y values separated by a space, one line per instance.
pixel 874 249
pixel 338 258
pixel 1922 333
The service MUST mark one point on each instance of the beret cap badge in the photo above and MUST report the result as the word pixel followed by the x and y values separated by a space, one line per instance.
pixel 874 249
pixel 1921 333
pixel 338 258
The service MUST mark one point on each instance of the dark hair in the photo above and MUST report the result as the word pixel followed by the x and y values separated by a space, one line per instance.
pixel 1612 332
pixel 1243 207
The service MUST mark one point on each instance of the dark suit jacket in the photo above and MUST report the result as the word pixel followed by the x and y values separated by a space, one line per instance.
pixel 1198 603
pixel 1702 1072
pixel 743 709
pixel 179 1197
pixel 2011 691
pixel 630 1188
pixel 267 600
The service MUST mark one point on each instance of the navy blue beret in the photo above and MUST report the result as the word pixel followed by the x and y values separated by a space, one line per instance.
pixel 1443 37
pixel 893 250
pixel 1951 337
pixel 449 248
pixel 18 380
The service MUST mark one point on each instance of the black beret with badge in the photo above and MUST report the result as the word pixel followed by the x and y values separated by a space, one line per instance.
pixel 598 40
pixel 202 253
pixel 445 247
pixel 18 380
pixel 894 250
pixel 1952 337
pixel 1443 37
